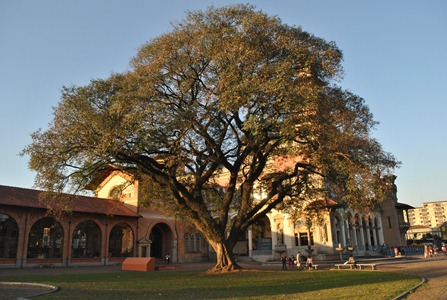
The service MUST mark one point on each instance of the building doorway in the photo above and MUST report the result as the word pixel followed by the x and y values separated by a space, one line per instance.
pixel 161 237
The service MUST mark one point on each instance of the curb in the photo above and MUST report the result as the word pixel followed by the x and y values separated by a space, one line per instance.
pixel 52 288
pixel 405 294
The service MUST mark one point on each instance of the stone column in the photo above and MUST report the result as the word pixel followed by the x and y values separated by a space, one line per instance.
pixel 354 237
pixel 380 231
pixel 274 240
pixel 250 242
pixel 362 234
pixel 343 232
pixel 368 235
pixel 374 230
pixel 174 257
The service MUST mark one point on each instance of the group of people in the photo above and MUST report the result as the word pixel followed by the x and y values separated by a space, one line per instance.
pixel 296 262
pixel 432 250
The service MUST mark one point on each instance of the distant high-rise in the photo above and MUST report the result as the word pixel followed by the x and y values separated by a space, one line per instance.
pixel 430 214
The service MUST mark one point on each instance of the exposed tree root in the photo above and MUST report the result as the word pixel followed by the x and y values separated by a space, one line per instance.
pixel 219 268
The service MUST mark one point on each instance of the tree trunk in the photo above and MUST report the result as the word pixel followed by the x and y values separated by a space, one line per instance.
pixel 225 258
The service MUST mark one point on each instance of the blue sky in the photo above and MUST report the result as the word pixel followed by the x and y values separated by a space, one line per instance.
pixel 394 57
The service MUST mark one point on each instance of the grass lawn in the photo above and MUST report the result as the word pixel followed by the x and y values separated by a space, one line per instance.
pixel 184 285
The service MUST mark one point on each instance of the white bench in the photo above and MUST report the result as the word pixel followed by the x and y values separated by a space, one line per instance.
pixel 345 266
pixel 372 266
pixel 303 266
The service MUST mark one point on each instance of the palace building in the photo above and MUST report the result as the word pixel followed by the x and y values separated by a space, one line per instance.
pixel 81 230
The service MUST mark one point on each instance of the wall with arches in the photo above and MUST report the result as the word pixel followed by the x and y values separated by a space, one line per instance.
pixel 159 232
pixel 363 232
pixel 30 237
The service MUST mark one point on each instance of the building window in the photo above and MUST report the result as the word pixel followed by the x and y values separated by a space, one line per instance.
pixel 115 192
pixel 304 239
pixel 45 239
pixel 197 249
pixel 9 236
pixel 86 240
pixel 121 241
pixel 192 243
pixel 389 222
pixel 187 243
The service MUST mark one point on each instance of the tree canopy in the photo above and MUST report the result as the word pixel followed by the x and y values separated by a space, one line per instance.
pixel 228 93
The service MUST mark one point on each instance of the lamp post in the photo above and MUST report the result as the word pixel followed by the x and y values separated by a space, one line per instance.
pixel 350 248
pixel 340 251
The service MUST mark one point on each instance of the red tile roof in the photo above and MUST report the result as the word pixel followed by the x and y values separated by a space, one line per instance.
pixel 15 196
pixel 324 203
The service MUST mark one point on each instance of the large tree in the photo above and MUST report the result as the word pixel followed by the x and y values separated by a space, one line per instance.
pixel 228 93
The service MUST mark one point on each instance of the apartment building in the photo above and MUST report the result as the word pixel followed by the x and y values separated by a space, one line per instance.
pixel 431 214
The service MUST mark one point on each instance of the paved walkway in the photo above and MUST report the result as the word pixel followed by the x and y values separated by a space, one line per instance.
pixel 433 269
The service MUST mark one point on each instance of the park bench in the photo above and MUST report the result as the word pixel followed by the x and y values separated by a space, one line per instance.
pixel 314 267
pixel 359 266
pixel 372 266
pixel 303 266
pixel 345 266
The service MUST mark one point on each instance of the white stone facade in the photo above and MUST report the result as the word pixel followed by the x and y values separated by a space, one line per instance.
pixel 339 229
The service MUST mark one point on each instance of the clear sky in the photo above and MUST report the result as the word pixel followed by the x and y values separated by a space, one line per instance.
pixel 395 56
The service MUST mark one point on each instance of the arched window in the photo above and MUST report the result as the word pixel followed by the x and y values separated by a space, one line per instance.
pixel 187 237
pixel 120 192
pixel 115 192
pixel 191 243
pixel 9 235
pixel 46 239
pixel 121 241
pixel 198 239
pixel 86 240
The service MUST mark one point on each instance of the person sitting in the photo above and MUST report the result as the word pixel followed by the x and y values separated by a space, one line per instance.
pixel 351 261
pixel 167 258
pixel 309 262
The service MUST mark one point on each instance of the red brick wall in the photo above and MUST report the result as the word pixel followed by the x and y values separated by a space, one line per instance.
pixel 26 217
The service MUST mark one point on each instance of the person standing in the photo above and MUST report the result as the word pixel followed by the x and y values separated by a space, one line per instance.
pixel 298 260
pixel 284 261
